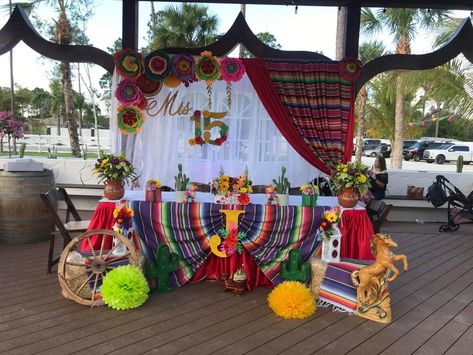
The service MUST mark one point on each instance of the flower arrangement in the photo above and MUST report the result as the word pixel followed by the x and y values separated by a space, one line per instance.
pixel 114 167
pixel 329 218
pixel 351 175
pixel 225 185
pixel 232 242
pixel 10 127
pixel 153 184
pixel 123 216
pixel 272 197
pixel 309 189
pixel 190 193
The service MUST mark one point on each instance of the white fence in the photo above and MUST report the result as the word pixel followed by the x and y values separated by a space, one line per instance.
pixel 41 143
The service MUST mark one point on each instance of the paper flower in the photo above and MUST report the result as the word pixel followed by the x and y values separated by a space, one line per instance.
pixel 292 299
pixel 157 65
pixel 171 81
pixel 124 287
pixel 243 199
pixel 208 67
pixel 148 86
pixel 128 63
pixel 129 119
pixel 349 69
pixel 128 93
pixel 183 68
pixel 232 69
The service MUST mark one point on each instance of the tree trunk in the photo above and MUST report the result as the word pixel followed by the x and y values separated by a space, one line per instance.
pixel 69 109
pixel 396 161
pixel 361 123
pixel 403 47
pixel 64 36
pixel 340 36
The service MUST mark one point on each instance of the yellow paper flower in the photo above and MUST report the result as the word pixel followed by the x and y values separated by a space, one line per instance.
pixel 292 299
pixel 224 185
pixel 225 178
pixel 243 190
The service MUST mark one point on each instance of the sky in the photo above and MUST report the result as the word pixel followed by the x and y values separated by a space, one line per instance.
pixel 311 29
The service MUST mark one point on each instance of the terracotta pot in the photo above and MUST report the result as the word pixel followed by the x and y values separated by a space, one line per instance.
pixel 348 198
pixel 114 189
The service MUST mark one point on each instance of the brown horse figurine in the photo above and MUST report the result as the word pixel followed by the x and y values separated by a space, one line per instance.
pixel 371 275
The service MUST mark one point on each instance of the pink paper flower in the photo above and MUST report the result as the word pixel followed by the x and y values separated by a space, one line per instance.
pixel 128 93
pixel 232 69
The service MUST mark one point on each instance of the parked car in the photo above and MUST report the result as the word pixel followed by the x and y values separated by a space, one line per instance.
pixel 382 149
pixel 407 144
pixel 416 152
pixel 449 152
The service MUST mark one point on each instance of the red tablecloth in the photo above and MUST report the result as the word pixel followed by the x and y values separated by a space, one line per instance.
pixel 356 231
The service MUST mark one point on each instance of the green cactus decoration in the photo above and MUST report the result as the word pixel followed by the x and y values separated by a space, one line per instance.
pixel 460 164
pixel 293 269
pixel 181 179
pixel 165 263
pixel 22 150
pixel 282 185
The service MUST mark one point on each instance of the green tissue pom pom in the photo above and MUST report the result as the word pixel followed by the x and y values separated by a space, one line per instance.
pixel 124 287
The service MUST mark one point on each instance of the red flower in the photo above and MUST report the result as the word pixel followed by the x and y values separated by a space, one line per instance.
pixel 218 141
pixel 231 241
pixel 198 140
pixel 243 199
pixel 349 69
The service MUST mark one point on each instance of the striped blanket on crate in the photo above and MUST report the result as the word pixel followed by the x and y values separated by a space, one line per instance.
pixel 337 289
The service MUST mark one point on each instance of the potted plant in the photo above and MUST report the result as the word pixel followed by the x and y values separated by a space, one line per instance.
pixel 310 193
pixel 350 183
pixel 281 186
pixel 115 171
pixel 153 190
pixel 181 181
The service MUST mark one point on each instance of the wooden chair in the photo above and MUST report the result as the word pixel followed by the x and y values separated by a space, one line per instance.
pixel 201 187
pixel 65 229
pixel 259 189
pixel 378 212
pixel 295 191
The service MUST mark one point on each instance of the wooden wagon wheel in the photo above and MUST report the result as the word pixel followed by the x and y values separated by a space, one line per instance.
pixel 80 272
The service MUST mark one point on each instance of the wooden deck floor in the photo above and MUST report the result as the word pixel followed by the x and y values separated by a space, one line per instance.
pixel 432 310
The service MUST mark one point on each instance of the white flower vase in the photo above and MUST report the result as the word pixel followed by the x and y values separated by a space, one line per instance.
pixel 180 196
pixel 331 246
pixel 283 199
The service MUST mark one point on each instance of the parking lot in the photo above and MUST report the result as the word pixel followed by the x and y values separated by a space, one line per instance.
pixel 420 166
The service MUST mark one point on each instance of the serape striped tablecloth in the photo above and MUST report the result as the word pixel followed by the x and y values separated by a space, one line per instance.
pixel 271 232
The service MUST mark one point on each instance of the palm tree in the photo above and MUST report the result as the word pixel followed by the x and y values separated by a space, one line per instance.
pixel 381 108
pixel 63 34
pixel 403 25
pixel 368 51
pixel 189 25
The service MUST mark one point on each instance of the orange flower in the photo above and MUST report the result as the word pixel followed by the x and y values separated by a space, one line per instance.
pixel 243 199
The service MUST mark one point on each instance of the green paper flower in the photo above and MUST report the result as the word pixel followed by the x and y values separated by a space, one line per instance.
pixel 124 287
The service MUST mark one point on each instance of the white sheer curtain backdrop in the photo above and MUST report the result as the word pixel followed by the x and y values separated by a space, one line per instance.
pixel 253 139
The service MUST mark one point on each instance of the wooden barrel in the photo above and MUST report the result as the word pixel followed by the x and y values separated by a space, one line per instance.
pixel 23 216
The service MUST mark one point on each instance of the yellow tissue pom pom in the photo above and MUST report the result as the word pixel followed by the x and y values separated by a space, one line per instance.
pixel 292 299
